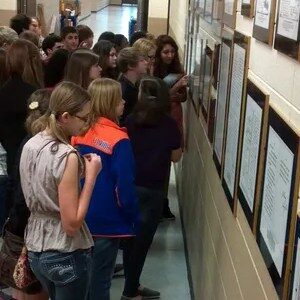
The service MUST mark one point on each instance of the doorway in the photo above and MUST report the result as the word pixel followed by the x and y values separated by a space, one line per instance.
pixel 27 7
pixel 130 2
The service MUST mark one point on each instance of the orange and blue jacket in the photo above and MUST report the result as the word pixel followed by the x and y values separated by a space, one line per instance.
pixel 113 210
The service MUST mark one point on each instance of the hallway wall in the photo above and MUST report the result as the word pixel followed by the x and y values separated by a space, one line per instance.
pixel 7 10
pixel 224 258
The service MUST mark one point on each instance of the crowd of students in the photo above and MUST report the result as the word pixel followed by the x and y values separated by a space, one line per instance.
pixel 87 138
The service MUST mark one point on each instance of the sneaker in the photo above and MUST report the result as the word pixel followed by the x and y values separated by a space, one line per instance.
pixel 117 270
pixel 132 298
pixel 147 293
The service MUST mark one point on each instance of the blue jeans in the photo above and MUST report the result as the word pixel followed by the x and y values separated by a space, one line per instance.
pixel 63 275
pixel 104 259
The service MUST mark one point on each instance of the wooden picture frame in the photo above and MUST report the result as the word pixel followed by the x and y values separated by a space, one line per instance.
pixel 294 285
pixel 235 119
pixel 252 153
pixel 287 36
pixel 277 218
pixel 229 13
pixel 223 87
pixel 264 21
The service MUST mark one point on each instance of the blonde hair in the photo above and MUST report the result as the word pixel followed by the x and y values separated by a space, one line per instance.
pixel 144 46
pixel 106 95
pixel 38 104
pixel 66 97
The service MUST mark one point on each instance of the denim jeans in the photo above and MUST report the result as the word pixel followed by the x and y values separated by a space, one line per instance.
pixel 135 250
pixel 103 264
pixel 3 201
pixel 63 275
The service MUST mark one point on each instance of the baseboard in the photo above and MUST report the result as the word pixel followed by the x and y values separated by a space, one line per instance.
pixel 95 11
pixel 186 253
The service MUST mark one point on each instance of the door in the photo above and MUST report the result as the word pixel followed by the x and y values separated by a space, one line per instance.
pixel 27 7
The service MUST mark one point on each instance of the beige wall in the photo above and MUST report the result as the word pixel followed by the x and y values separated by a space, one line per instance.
pixel 8 8
pixel 158 17
pixel 224 257
pixel 116 2
pixel 99 4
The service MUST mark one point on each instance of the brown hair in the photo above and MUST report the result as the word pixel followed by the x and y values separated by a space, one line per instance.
pixel 153 102
pixel 66 97
pixel 79 65
pixel 30 36
pixel 38 104
pixel 160 69
pixel 3 69
pixel 84 32
pixel 106 95
pixel 128 57
pixel 23 59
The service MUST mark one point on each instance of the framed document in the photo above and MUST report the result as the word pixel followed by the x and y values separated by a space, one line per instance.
pixel 252 157
pixel 202 7
pixel 222 99
pixel 263 25
pixel 207 80
pixel 287 30
pixel 197 72
pixel 248 8
pixel 278 207
pixel 235 118
pixel 208 12
pixel 229 14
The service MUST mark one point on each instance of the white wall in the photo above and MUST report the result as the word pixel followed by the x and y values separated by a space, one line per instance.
pixel 8 5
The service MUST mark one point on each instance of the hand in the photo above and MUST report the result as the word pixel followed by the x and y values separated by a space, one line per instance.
pixel 183 81
pixel 83 44
pixel 93 165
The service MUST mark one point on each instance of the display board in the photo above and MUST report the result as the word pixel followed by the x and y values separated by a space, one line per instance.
pixel 263 25
pixel 252 157
pixel 287 29
pixel 207 80
pixel 229 14
pixel 208 11
pixel 235 118
pixel 278 207
pixel 222 99
pixel 248 8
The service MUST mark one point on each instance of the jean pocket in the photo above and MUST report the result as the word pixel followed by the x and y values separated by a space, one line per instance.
pixel 60 270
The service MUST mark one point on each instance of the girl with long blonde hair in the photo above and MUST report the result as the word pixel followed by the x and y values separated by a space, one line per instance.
pixel 113 212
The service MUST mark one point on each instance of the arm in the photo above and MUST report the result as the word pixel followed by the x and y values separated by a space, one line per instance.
pixel 176 155
pixel 123 170
pixel 73 207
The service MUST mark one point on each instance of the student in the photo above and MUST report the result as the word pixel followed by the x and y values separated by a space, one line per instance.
pixel 155 139
pixel 51 43
pixel 3 68
pixel 69 37
pixel 30 36
pixel 107 36
pixel 147 48
pixel 132 66
pixel 167 62
pixel 107 58
pixel 137 35
pixel 21 22
pixel 58 241
pixel 7 36
pixel 83 67
pixel 55 68
pixel 120 42
pixel 38 104
pixel 113 211
pixel 85 36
